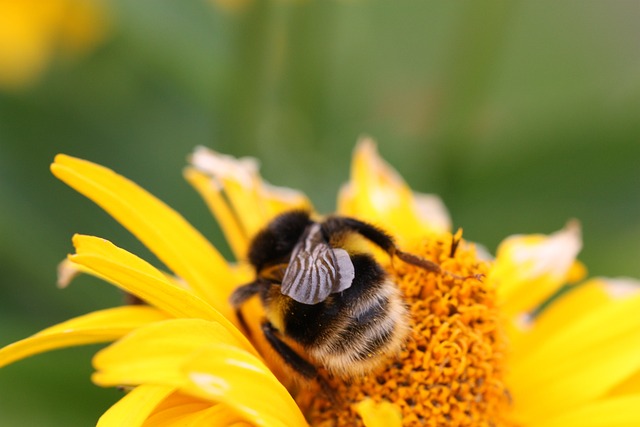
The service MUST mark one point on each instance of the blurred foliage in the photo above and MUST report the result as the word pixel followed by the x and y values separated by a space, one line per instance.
pixel 520 115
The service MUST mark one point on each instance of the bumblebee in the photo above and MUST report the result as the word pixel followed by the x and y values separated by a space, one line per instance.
pixel 322 289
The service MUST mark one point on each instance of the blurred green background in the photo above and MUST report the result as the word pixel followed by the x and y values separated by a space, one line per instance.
pixel 520 115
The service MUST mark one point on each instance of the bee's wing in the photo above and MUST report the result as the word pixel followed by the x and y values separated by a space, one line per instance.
pixel 316 270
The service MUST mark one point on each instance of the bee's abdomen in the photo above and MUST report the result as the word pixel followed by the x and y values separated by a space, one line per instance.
pixel 372 329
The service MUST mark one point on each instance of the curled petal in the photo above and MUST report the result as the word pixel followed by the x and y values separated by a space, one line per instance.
pixel 139 278
pixel 431 212
pixel 210 190
pixel 529 269
pixel 282 199
pixel 67 271
pixel 165 232
pixel 239 198
pixel 377 192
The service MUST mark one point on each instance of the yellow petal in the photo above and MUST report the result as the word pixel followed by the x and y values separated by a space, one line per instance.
pixel 85 24
pixel 240 180
pixel 431 212
pixel 581 362
pixel 155 354
pixel 175 406
pixel 134 408
pixel 383 414
pixel 529 269
pixel 139 278
pixel 615 412
pixel 68 271
pixel 210 191
pixel 26 34
pixel 241 200
pixel 167 234
pixel 378 193
pixel 195 414
pixel 577 272
pixel 232 376
pixel 565 309
pixel 282 199
pixel 99 326
pixel 32 32
pixel 605 324
pixel 179 399
pixel 631 385
pixel 579 381
pixel 92 245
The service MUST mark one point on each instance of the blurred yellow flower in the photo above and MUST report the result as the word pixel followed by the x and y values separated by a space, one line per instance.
pixel 33 31
pixel 481 352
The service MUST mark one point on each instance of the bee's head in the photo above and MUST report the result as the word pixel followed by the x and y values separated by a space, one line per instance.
pixel 273 245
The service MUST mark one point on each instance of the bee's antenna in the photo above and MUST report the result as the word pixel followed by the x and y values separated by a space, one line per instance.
pixel 455 241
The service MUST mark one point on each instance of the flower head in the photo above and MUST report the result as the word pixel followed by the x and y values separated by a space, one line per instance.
pixel 492 342
pixel 31 31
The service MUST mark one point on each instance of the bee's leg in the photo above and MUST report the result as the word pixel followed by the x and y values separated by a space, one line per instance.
pixel 290 357
pixel 340 224
pixel 416 260
pixel 239 296
pixel 430 265
pixel 376 236
pixel 242 293
pixel 242 321
pixel 294 360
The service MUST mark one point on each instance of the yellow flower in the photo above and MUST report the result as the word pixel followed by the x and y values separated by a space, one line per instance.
pixel 32 30
pixel 507 350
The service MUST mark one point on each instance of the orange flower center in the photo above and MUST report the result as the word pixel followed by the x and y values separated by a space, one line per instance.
pixel 451 369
